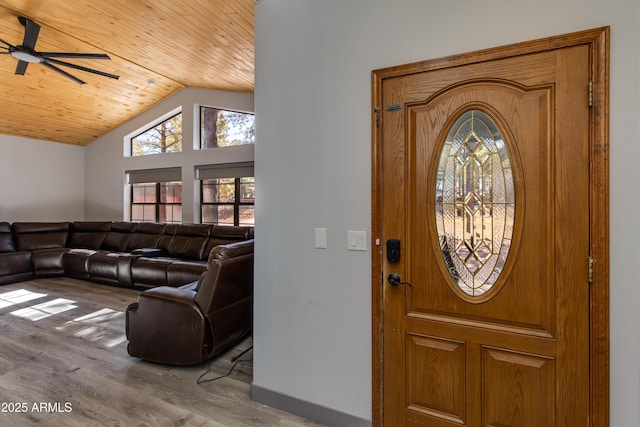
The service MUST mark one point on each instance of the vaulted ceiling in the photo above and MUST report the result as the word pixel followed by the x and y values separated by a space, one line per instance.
pixel 157 47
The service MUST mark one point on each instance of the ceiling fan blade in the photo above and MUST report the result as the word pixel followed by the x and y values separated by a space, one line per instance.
pixel 79 67
pixel 21 68
pixel 31 30
pixel 64 73
pixel 7 43
pixel 74 55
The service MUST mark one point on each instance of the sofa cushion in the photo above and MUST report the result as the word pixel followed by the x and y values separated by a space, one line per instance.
pixel 6 238
pixel 118 236
pixel 75 262
pixel 48 261
pixel 180 272
pixel 149 272
pixel 111 268
pixel 15 267
pixel 40 235
pixel 15 263
pixel 189 242
pixel 88 234
pixel 231 232
pixel 147 235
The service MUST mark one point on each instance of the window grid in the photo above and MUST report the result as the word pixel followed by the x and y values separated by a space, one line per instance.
pixel 227 201
pixel 157 202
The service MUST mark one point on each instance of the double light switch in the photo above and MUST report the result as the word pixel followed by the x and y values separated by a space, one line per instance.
pixel 356 240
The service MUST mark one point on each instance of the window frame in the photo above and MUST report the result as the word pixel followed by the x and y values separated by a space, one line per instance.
pixel 158 201
pixel 201 125
pixel 164 118
pixel 237 203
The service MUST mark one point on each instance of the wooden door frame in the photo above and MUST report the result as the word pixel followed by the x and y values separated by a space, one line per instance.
pixel 598 42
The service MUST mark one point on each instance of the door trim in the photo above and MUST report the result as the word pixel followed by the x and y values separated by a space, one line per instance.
pixel 598 41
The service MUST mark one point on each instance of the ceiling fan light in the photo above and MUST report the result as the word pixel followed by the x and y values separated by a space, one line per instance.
pixel 25 56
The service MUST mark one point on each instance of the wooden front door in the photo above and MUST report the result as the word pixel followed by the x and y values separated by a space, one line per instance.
pixel 485 247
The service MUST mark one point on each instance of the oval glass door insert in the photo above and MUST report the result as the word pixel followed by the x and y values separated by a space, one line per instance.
pixel 475 203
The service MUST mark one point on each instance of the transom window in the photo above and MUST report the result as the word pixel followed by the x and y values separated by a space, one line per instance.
pixel 156 202
pixel 165 137
pixel 225 128
pixel 228 201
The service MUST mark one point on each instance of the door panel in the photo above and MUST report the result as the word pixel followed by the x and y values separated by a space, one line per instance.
pixel 518 354
pixel 518 389
pixel 440 366
pixel 528 124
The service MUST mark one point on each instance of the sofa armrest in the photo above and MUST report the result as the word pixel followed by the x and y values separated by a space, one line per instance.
pixel 193 286
pixel 232 250
pixel 149 252
pixel 169 293
pixel 166 326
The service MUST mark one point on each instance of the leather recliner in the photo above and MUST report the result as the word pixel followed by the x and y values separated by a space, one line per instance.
pixel 197 321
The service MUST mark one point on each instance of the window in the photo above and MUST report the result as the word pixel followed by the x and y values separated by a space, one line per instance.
pixel 156 201
pixel 475 202
pixel 227 193
pixel 165 137
pixel 156 194
pixel 228 201
pixel 224 128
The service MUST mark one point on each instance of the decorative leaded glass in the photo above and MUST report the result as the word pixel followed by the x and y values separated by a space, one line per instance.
pixel 475 202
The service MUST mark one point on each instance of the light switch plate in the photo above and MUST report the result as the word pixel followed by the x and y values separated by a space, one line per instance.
pixel 321 238
pixel 357 240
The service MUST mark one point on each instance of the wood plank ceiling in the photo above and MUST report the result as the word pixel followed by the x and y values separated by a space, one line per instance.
pixel 174 43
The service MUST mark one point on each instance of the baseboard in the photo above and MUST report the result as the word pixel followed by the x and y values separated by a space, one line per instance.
pixel 308 410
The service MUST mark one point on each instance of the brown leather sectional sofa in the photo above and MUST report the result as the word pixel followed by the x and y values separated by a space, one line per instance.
pixel 126 254
pixel 197 280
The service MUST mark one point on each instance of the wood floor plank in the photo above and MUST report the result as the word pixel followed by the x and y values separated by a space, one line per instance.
pixel 63 361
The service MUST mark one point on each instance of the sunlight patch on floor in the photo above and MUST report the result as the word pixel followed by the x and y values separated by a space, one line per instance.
pixel 100 324
pixel 46 309
pixel 18 296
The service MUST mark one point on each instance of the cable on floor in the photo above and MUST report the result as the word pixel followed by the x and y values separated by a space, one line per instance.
pixel 235 360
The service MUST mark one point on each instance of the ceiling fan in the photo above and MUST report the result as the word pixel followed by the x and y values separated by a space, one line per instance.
pixel 26 53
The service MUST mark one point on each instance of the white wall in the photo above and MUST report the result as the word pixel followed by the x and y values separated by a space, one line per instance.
pixel 40 180
pixel 106 164
pixel 313 160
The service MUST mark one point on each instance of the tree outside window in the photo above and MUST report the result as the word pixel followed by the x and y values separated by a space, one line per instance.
pixel 165 137
pixel 225 128
pixel 228 201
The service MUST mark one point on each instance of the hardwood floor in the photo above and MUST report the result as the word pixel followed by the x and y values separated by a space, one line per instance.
pixel 63 362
